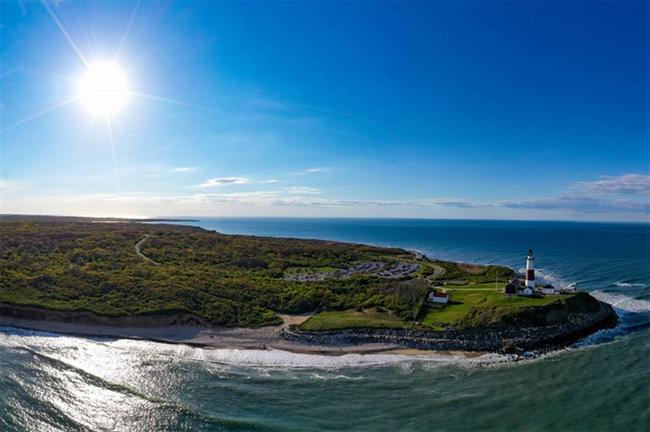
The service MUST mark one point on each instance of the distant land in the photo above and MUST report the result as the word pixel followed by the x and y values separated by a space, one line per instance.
pixel 45 218
pixel 186 284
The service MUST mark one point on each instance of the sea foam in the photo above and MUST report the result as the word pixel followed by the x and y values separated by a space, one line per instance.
pixel 622 302
pixel 288 360
pixel 630 285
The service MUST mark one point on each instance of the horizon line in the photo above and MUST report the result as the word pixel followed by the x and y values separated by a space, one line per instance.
pixel 190 218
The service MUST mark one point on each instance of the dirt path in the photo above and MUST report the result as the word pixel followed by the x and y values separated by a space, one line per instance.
pixel 294 319
pixel 138 245
pixel 437 272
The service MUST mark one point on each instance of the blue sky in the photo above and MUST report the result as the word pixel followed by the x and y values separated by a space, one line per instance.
pixel 516 110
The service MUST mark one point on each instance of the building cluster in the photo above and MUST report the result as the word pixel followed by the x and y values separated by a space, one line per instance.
pixel 529 288
pixel 526 287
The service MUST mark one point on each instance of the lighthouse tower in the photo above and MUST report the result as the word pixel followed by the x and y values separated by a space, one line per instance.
pixel 530 271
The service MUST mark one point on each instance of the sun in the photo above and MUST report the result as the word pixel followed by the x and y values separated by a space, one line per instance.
pixel 103 90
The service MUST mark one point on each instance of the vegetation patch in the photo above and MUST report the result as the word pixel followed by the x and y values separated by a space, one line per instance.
pixel 478 304
pixel 73 264
pixel 336 320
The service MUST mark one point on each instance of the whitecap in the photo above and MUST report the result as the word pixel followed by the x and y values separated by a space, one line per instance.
pixel 622 302
pixel 630 284
pixel 288 360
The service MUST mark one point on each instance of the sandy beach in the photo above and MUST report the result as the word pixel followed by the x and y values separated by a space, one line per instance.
pixel 266 338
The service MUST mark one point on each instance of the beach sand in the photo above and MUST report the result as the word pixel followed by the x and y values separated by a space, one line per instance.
pixel 266 338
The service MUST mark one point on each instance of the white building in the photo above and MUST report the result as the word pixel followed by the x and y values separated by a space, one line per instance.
pixel 436 296
pixel 549 290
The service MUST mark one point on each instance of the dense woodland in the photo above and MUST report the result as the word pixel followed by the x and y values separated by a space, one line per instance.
pixel 73 264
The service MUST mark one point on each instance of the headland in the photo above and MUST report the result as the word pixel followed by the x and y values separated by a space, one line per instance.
pixel 182 284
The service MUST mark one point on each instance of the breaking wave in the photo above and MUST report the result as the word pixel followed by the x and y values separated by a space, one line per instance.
pixel 630 284
pixel 278 359
pixel 550 277
pixel 622 302
pixel 247 358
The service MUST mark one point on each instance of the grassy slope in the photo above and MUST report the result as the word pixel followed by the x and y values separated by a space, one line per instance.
pixel 466 301
pixel 334 320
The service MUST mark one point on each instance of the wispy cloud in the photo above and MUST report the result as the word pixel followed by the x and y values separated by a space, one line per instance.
pixel 301 190
pixel 184 169
pixel 270 181
pixel 449 202
pixel 571 203
pixel 222 181
pixel 317 170
pixel 313 170
pixel 627 184
pixel 579 204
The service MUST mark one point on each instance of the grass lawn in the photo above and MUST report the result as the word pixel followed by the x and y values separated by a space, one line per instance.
pixel 332 320
pixel 464 298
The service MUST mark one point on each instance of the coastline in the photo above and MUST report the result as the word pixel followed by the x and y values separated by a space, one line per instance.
pixel 263 338
pixel 188 330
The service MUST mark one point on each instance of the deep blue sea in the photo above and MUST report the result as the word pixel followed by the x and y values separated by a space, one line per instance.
pixel 50 382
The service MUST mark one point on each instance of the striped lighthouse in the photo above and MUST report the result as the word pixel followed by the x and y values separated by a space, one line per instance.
pixel 530 270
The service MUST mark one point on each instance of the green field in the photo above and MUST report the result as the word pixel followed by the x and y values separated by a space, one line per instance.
pixel 333 320
pixel 475 296
pixel 472 304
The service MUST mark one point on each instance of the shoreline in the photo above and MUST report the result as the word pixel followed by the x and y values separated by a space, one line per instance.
pixel 188 330
pixel 238 338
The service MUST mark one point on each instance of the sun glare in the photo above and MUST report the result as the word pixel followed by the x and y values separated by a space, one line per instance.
pixel 103 90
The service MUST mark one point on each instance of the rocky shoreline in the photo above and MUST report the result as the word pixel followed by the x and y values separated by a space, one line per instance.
pixel 507 339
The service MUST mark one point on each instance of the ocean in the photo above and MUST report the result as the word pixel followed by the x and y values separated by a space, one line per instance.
pixel 51 382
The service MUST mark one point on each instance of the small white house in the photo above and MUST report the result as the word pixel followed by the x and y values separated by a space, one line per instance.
pixel 436 296
pixel 549 290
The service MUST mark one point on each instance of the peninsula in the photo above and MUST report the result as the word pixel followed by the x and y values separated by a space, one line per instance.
pixel 178 283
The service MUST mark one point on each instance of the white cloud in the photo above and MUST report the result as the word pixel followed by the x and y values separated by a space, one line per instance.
pixel 184 169
pixel 314 170
pixel 627 184
pixel 304 200
pixel 317 170
pixel 222 181
pixel 301 190
pixel 270 181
